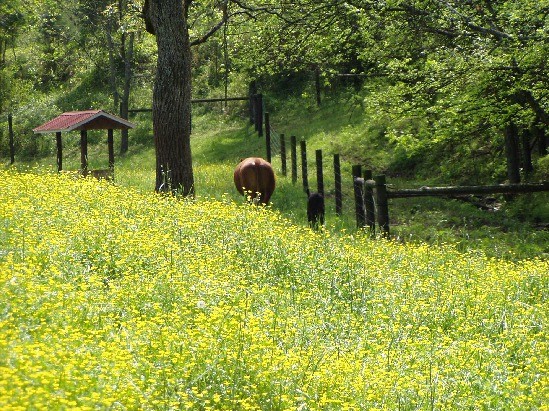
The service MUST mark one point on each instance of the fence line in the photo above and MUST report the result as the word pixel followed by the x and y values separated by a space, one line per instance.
pixel 371 193
pixel 255 108
pixel 383 194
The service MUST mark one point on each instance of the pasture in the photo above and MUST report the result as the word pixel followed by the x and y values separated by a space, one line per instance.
pixel 116 299
pixel 218 145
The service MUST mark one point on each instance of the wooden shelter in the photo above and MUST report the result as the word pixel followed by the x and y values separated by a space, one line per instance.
pixel 84 121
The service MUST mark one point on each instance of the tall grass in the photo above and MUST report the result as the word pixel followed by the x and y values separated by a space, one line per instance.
pixel 114 299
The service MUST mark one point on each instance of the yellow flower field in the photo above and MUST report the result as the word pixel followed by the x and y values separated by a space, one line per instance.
pixel 117 300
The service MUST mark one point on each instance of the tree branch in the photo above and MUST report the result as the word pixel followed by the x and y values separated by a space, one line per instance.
pixel 526 97
pixel 215 28
pixel 500 35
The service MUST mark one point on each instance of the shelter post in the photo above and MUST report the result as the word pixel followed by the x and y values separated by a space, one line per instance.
pixel 84 152
pixel 59 151
pixel 110 141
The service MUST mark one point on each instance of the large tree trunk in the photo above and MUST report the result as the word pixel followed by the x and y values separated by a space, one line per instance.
pixel 172 97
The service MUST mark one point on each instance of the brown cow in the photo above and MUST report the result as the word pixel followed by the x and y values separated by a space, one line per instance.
pixel 255 176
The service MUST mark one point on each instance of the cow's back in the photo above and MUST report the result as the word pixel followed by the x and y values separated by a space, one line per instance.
pixel 255 175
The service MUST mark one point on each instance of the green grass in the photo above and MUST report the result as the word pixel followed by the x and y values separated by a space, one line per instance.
pixel 117 299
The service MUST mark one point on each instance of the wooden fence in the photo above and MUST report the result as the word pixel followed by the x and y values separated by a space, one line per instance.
pixel 255 108
pixel 371 193
pixel 383 194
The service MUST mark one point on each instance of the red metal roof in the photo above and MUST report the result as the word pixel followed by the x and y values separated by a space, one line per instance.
pixel 83 120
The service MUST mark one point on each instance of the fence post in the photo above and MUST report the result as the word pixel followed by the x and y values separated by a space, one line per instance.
pixel 268 136
pixel 358 187
pixel 337 178
pixel 59 151
pixel 369 202
pixel 259 114
pixel 251 102
pixel 12 144
pixel 304 165
pixel 319 172
pixel 539 135
pixel 256 112
pixel 283 153
pixel 526 138
pixel 293 142
pixel 382 205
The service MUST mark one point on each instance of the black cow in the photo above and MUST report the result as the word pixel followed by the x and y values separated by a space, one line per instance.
pixel 315 209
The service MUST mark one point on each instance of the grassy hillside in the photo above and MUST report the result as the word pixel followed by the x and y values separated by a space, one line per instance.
pixel 339 126
pixel 113 299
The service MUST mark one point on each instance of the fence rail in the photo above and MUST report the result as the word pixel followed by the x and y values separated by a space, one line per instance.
pixel 255 108
pixel 465 190
pixel 198 100
pixel 370 202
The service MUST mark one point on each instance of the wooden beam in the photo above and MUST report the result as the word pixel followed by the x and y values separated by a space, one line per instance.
pixel 110 142
pixel 463 190
pixel 197 100
pixel 59 151
pixel 84 152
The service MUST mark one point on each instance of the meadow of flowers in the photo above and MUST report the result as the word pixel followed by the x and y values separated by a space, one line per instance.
pixel 113 299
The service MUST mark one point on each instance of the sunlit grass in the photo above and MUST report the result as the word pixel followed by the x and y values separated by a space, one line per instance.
pixel 114 299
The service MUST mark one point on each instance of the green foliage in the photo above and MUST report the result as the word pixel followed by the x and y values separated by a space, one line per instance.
pixel 11 20
pixel 543 168
pixel 90 91
pixel 27 144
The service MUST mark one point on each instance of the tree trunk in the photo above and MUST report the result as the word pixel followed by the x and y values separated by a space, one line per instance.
pixel 125 100
pixel 538 134
pixel 526 151
pixel 172 97
pixel 112 65
pixel 512 153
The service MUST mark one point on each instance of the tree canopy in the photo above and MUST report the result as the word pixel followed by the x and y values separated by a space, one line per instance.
pixel 444 77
